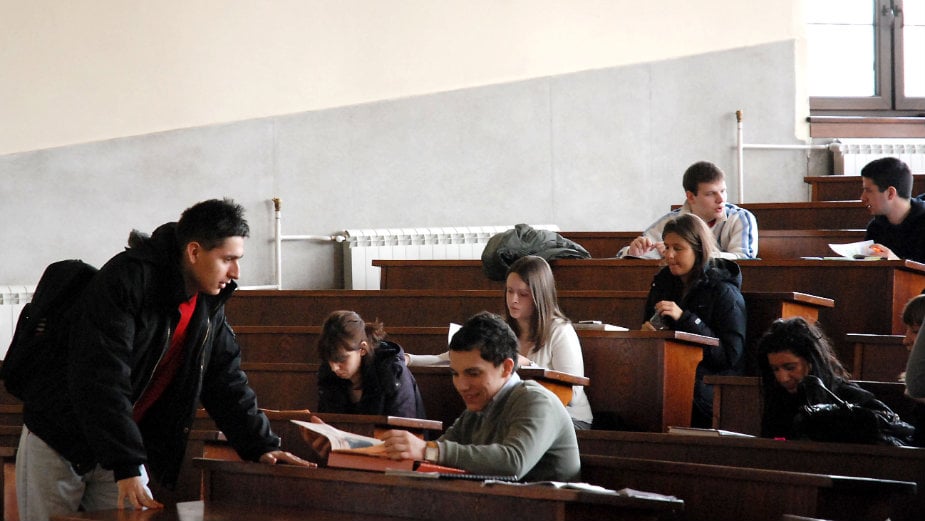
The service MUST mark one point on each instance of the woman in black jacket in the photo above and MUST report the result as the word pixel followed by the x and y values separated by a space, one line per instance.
pixel 700 294
pixel 798 367
pixel 361 373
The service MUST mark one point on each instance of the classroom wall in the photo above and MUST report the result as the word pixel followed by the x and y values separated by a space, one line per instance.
pixel 598 148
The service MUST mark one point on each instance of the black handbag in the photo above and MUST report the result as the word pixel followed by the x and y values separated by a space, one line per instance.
pixel 839 421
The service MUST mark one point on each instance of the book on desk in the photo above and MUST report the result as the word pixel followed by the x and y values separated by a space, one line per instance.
pixel 358 452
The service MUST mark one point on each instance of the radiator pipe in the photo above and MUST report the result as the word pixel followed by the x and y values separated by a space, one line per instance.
pixel 740 149
pixel 279 238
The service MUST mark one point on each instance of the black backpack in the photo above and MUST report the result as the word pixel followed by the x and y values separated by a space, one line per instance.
pixel 41 323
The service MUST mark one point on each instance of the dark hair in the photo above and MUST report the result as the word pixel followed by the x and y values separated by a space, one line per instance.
pixel 890 171
pixel 692 230
pixel 488 333
pixel 701 172
pixel 914 311
pixel 537 274
pixel 804 340
pixel 211 222
pixel 344 331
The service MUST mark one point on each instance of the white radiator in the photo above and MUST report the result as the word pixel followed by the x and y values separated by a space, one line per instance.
pixel 361 247
pixel 12 300
pixel 853 154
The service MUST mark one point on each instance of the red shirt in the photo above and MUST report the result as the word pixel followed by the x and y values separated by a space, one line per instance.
pixel 168 366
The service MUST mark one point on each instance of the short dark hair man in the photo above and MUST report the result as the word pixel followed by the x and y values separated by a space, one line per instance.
pixel 898 226
pixel 510 427
pixel 735 228
pixel 146 342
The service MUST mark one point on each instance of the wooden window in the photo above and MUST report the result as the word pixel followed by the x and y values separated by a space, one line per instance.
pixel 866 55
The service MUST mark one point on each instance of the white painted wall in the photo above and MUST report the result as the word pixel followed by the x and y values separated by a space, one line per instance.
pixel 76 72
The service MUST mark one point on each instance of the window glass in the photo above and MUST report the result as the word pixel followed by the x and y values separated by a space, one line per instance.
pixel 914 48
pixel 841 43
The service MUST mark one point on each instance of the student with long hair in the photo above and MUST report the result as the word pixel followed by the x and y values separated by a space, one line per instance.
pixel 361 372
pixel 699 293
pixel 545 336
pixel 798 367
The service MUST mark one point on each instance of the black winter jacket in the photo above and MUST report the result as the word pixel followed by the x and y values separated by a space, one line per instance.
pixel 121 326
pixel 389 387
pixel 713 306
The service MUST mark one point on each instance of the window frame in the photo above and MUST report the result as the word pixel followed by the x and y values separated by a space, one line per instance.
pixel 890 98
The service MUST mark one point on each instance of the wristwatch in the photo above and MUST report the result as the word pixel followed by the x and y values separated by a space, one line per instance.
pixel 432 452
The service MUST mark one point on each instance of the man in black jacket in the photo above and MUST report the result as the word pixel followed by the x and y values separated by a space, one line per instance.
pixel 898 226
pixel 146 341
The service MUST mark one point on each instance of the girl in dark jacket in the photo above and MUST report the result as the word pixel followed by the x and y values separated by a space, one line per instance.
pixel 700 294
pixel 793 349
pixel 361 373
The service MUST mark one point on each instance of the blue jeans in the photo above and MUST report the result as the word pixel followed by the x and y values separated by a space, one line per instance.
pixel 46 484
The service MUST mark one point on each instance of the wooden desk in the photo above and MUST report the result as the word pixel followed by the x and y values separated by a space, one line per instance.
pixel 427 499
pixel 602 245
pixel 881 462
pixel 813 215
pixel 878 357
pixel 869 295
pixel 223 511
pixel 643 378
pixel 737 402
pixel 793 244
pixel 772 243
pixel 848 187
pixel 417 307
pixel 286 336
pixel 723 493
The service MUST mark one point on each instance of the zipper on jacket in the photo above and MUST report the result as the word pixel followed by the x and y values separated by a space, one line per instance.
pixel 156 365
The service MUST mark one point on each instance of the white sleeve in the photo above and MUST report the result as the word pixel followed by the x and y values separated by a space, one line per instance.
pixel 425 360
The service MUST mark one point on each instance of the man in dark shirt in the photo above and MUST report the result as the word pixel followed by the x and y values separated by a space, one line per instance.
pixel 898 226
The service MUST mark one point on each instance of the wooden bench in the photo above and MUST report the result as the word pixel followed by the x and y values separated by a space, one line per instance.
pixel 414 498
pixel 275 342
pixel 772 244
pixel 882 462
pixel 878 357
pixel 813 215
pixel 223 511
pixel 737 403
pixel 848 187
pixel 727 493
pixel 869 295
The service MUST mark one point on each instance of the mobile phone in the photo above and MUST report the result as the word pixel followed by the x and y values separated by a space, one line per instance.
pixel 657 321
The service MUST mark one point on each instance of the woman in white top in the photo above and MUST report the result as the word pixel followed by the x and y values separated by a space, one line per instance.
pixel 545 336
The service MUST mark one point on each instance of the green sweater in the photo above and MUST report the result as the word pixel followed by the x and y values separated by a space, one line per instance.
pixel 525 431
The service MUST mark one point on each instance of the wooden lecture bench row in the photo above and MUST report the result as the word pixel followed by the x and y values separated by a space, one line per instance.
pixel 869 295
pixel 284 325
pixel 644 378
pixel 772 244
pixel 701 492
pixel 847 187
pixel 812 215
pixel 872 461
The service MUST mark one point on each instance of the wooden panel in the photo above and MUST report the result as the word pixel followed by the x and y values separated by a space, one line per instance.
pixel 813 215
pixel 291 343
pixel 858 305
pixel 719 493
pixel 848 187
pixel 793 244
pixel 446 500
pixel 221 511
pixel 893 463
pixel 878 357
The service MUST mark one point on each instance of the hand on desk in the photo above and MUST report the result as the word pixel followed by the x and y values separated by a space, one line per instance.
pixel 281 456
pixel 134 491
pixel 401 444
